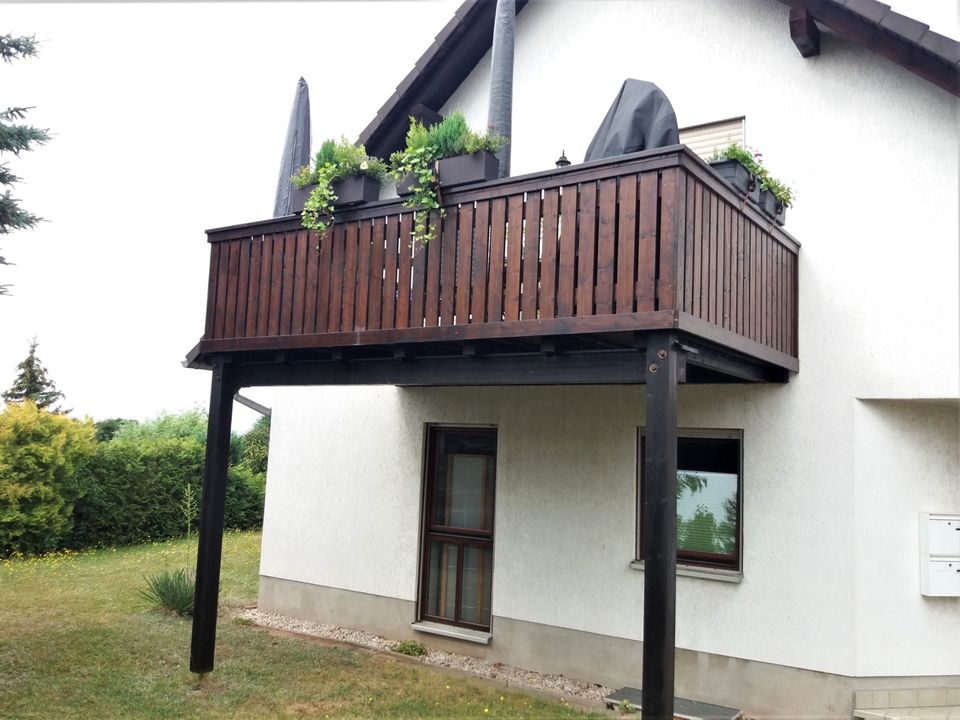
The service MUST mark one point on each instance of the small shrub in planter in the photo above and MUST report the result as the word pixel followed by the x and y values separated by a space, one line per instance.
pixel 342 174
pixel 422 163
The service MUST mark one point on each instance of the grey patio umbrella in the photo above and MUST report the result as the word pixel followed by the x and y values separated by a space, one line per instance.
pixel 296 150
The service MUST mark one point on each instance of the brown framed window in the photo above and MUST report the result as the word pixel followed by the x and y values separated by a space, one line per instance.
pixel 709 497
pixel 457 561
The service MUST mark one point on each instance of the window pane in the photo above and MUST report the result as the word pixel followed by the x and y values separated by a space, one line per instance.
pixel 442 580
pixel 475 593
pixel 706 511
pixel 464 497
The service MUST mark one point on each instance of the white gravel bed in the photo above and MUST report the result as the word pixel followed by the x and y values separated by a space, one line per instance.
pixel 493 671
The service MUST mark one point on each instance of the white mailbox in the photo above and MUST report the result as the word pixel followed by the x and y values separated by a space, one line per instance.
pixel 940 554
pixel 940 534
pixel 942 577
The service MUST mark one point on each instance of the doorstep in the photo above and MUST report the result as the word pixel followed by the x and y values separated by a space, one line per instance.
pixel 682 708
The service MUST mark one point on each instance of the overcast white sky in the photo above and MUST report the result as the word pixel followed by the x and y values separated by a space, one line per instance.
pixel 170 119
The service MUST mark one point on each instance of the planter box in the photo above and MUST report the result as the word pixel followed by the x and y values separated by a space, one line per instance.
pixel 735 174
pixel 356 189
pixel 768 203
pixel 298 197
pixel 405 186
pixel 464 169
pixel 781 217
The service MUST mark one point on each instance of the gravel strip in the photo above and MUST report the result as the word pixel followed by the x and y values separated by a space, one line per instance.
pixel 492 671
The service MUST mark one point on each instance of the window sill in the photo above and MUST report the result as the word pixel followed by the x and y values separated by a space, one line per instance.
pixel 704 573
pixel 452 631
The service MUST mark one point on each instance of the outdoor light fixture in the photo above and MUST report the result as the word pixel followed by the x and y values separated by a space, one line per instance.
pixel 562 161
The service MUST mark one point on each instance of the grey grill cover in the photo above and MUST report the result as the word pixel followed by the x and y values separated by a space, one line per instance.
pixel 641 118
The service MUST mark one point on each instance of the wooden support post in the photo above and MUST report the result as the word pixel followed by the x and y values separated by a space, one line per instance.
pixel 804 32
pixel 660 526
pixel 211 520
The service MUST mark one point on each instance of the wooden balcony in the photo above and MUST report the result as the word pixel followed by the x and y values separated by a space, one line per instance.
pixel 550 277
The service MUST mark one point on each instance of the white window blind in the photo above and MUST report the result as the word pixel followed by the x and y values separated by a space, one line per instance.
pixel 705 139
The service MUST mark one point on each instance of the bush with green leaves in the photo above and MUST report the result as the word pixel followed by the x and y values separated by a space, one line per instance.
pixel 425 146
pixel 334 161
pixel 137 489
pixel 41 455
pixel 410 647
pixel 256 445
pixel 171 591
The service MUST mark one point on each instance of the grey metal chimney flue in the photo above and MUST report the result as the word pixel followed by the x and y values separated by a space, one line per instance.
pixel 500 112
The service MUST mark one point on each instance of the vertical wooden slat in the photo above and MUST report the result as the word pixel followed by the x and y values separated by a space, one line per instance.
pixel 448 266
pixel 390 283
pixel 404 272
pixel 756 278
pixel 530 265
pixel 725 257
pixel 253 288
pixel 266 276
pixel 289 282
pixel 478 277
pixel 735 289
pixel 230 302
pixel 531 256
pixel 690 245
pixel 567 264
pixel 348 303
pixel 377 276
pixel 221 299
pixel 300 283
pixel 606 240
pixel 498 219
pixel 209 327
pixel 276 285
pixel 431 301
pixel 419 271
pixel 672 193
pixel 647 243
pixel 363 276
pixel 243 288
pixel 338 235
pixel 713 286
pixel 511 290
pixel 313 268
pixel 324 263
pixel 627 245
pixel 548 261
pixel 586 248
pixel 461 305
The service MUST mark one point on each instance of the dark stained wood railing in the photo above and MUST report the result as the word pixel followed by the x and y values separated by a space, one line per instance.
pixel 648 241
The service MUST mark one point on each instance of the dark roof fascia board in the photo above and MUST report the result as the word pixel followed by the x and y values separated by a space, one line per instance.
pixel 902 40
pixel 452 56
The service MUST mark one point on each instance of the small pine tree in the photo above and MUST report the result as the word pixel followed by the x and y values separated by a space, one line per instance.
pixel 32 383
pixel 15 138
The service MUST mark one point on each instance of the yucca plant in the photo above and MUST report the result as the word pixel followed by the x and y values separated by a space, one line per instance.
pixel 170 590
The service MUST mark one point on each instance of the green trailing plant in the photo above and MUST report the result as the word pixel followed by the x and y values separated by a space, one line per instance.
pixel 410 647
pixel 171 591
pixel 334 161
pixel 752 160
pixel 417 162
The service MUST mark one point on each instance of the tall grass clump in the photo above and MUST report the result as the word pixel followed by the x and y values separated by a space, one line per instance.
pixel 170 590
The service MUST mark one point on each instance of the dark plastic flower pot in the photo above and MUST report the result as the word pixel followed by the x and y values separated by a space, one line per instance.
pixel 355 190
pixel 405 186
pixel 299 196
pixel 768 203
pixel 781 217
pixel 464 169
pixel 735 174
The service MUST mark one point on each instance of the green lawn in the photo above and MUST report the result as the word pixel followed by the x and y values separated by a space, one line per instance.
pixel 76 641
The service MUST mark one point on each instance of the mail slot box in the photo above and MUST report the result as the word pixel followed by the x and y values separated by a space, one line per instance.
pixel 940 577
pixel 940 534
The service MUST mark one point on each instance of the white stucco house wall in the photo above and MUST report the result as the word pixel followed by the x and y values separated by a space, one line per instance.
pixel 837 464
